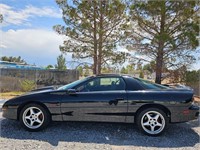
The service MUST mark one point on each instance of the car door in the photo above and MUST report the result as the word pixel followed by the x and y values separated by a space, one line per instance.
pixel 99 99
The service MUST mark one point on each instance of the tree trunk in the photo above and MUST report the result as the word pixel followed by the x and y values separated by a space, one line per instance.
pixel 99 65
pixel 159 64
pixel 99 60
pixel 95 41
pixel 159 58
pixel 94 64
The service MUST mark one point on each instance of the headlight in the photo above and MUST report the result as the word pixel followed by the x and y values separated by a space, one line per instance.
pixel 4 107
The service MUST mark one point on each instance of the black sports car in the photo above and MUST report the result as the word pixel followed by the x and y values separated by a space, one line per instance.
pixel 107 98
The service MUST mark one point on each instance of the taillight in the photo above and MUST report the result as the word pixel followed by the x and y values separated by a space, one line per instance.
pixel 186 112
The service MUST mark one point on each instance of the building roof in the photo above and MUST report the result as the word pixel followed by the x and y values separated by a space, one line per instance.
pixel 15 65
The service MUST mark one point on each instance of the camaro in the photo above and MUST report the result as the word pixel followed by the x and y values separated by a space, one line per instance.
pixel 106 98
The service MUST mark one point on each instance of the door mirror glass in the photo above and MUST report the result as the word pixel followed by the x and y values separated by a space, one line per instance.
pixel 71 91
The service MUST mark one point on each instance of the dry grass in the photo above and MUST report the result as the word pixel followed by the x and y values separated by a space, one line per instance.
pixel 8 95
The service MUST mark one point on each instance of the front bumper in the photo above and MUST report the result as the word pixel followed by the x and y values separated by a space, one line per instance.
pixel 9 112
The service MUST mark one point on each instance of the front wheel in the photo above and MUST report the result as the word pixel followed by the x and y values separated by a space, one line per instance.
pixel 34 117
pixel 152 121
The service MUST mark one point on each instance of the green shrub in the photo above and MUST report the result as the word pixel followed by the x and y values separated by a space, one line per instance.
pixel 27 85
pixel 141 74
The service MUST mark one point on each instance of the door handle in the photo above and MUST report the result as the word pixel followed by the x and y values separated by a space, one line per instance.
pixel 115 101
pixel 119 99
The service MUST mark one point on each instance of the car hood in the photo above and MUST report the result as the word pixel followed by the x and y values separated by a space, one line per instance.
pixel 32 93
pixel 44 88
pixel 30 96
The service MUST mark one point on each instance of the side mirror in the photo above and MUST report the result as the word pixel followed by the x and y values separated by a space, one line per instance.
pixel 71 91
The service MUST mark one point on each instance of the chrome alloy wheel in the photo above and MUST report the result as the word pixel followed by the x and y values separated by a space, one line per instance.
pixel 153 122
pixel 33 117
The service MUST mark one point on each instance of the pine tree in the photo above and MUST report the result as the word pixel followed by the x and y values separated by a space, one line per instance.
pixel 1 18
pixel 13 59
pixel 141 74
pixel 165 31
pixel 61 63
pixel 124 70
pixel 93 30
pixel 80 70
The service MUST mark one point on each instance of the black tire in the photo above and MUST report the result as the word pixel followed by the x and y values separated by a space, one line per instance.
pixel 36 121
pixel 152 121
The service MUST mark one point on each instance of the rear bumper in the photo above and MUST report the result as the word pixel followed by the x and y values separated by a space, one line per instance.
pixel 194 111
pixel 185 115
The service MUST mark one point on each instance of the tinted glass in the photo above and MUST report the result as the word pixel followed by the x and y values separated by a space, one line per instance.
pixel 73 84
pixel 132 84
pixel 102 84
pixel 150 85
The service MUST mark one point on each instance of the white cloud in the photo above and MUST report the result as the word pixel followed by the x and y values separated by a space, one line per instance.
pixel 2 46
pixel 21 16
pixel 44 11
pixel 34 45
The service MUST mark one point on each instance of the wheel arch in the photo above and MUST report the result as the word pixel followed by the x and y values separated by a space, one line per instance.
pixel 30 102
pixel 159 106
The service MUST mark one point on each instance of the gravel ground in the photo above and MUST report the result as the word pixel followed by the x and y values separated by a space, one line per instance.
pixel 89 136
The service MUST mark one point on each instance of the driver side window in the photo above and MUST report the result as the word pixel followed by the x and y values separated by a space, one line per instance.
pixel 85 87
pixel 102 84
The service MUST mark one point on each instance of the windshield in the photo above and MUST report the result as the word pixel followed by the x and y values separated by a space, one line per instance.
pixel 150 85
pixel 73 84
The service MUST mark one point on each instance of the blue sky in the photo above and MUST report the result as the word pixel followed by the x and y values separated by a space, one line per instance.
pixel 27 31
pixel 38 19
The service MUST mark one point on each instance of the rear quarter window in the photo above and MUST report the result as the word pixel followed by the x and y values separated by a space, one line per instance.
pixel 150 85
pixel 132 85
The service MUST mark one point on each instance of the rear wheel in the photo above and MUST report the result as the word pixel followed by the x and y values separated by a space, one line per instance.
pixel 152 121
pixel 34 117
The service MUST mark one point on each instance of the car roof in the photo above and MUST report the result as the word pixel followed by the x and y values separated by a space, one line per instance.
pixel 112 75
pixel 109 74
